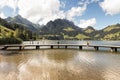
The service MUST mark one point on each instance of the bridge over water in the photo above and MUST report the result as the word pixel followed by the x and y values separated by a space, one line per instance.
pixel 65 46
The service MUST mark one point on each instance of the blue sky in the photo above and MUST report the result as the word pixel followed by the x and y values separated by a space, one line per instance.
pixel 96 13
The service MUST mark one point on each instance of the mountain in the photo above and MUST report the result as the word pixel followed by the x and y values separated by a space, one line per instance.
pixel 62 29
pixel 58 29
pixel 20 20
pixel 111 32
pixel 89 29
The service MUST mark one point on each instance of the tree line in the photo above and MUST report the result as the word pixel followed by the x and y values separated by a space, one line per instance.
pixel 17 34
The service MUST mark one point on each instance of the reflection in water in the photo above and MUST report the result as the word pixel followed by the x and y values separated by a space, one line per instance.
pixel 8 71
pixel 60 64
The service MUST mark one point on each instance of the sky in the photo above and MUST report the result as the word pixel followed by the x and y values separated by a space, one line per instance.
pixel 96 13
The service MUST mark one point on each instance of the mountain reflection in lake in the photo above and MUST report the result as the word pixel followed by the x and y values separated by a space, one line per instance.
pixel 60 64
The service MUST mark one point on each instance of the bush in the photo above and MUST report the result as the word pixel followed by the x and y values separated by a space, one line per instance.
pixel 10 41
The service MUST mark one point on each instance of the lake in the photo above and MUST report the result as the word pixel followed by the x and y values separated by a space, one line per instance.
pixel 61 64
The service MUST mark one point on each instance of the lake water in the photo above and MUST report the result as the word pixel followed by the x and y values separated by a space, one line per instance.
pixel 61 64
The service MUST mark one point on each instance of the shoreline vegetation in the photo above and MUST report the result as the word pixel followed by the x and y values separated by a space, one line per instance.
pixel 4 41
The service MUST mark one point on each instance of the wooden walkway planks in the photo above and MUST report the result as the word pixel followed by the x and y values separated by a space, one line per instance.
pixel 96 47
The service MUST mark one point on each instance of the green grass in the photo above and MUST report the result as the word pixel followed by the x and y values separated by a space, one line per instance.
pixel 97 35
pixel 81 36
pixel 68 29
pixel 89 31
pixel 68 37
pixel 4 31
pixel 112 36
pixel 111 28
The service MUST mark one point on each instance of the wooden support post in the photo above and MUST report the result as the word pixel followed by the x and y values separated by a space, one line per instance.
pixel 51 46
pixel 65 46
pixel 20 48
pixel 96 48
pixel 5 47
pixel 113 49
pixel 37 47
pixel 80 47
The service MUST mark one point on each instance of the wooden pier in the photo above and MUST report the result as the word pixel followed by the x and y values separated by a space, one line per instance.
pixel 80 46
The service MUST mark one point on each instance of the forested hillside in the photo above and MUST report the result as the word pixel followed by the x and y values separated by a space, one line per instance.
pixel 14 33
pixel 62 29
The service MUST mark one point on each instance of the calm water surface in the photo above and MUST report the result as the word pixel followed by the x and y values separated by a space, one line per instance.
pixel 59 64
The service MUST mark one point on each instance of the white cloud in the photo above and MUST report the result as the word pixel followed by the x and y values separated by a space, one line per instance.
pixel 2 15
pixel 9 3
pixel 86 23
pixel 63 4
pixel 111 7
pixel 40 10
pixel 95 1
pixel 83 2
pixel 75 11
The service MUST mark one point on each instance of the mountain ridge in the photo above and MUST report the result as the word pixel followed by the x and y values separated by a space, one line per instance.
pixel 65 29
pixel 20 20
